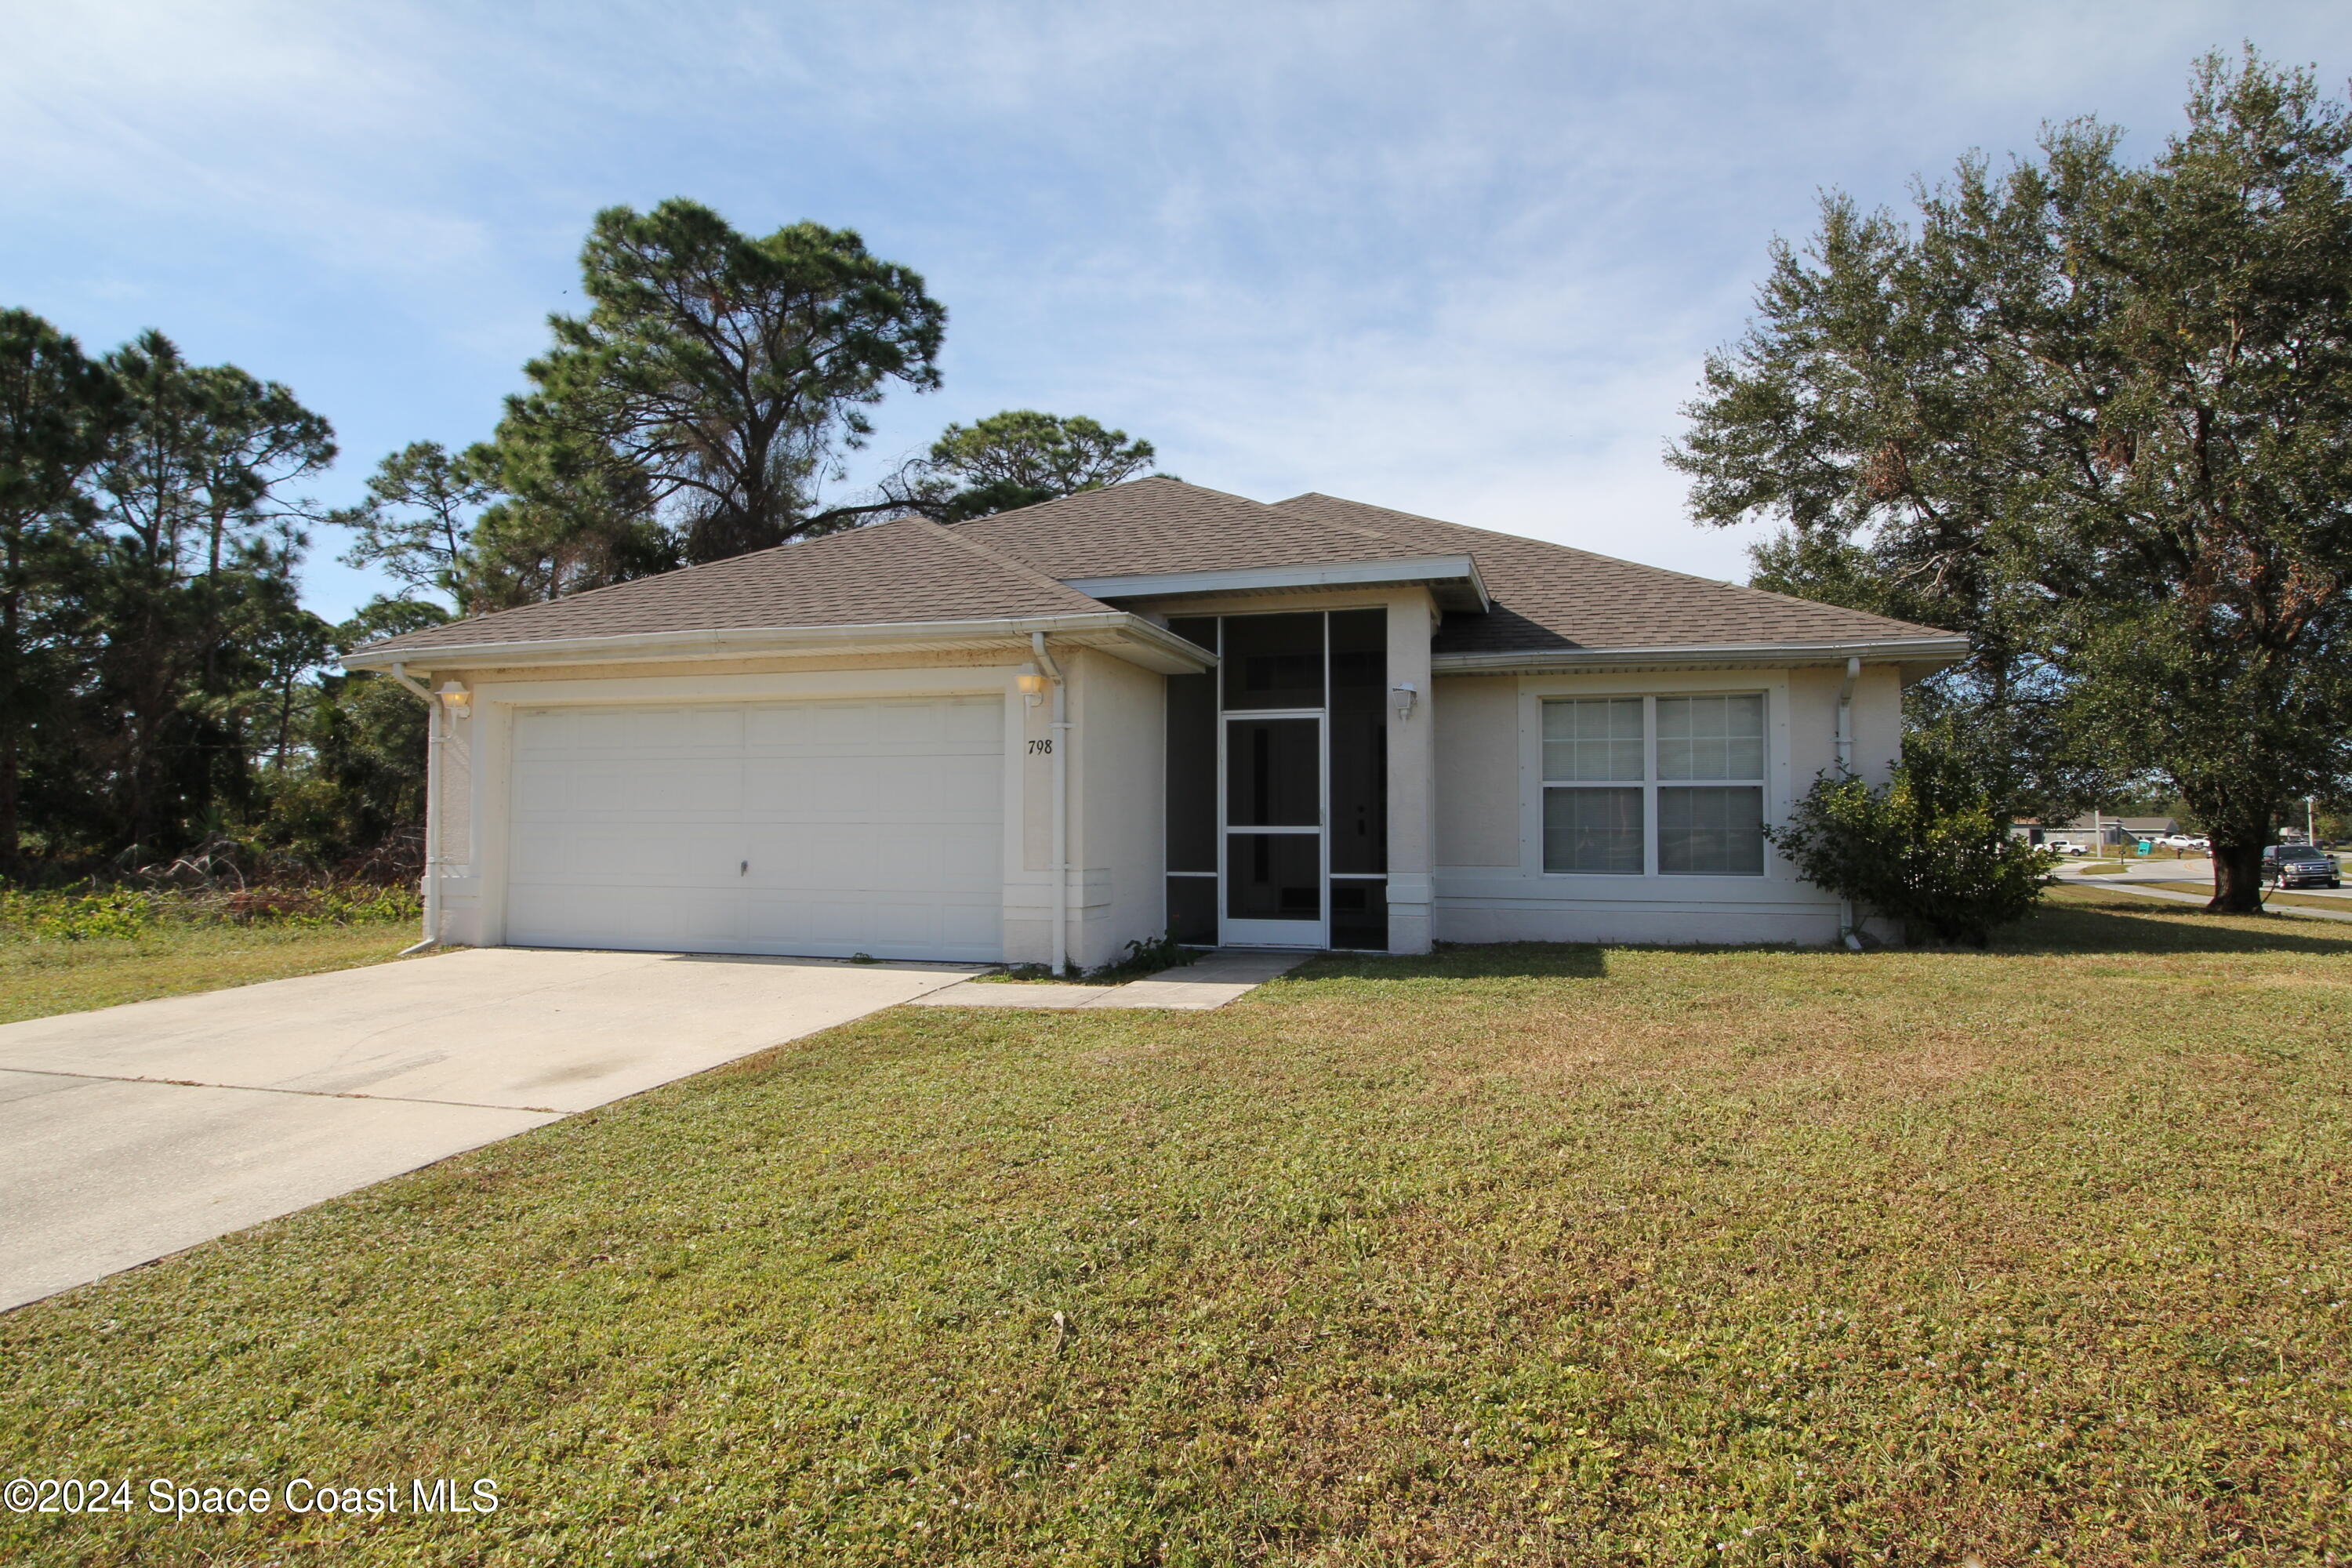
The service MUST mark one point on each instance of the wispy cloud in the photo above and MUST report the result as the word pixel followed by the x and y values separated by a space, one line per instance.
pixel 1463 260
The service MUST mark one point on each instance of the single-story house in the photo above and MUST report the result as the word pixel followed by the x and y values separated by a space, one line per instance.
pixel 1048 733
pixel 2100 831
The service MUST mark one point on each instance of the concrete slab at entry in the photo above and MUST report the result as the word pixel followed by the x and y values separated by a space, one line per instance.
pixel 1212 981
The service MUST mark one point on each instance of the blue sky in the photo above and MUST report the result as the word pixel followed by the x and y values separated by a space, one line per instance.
pixel 1460 259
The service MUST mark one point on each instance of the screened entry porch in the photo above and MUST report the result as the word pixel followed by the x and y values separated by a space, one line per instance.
pixel 1277 783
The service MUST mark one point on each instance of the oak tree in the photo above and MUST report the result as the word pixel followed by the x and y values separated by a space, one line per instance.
pixel 2099 416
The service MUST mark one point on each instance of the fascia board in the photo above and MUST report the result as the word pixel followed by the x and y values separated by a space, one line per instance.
pixel 1326 574
pixel 1934 651
pixel 1154 648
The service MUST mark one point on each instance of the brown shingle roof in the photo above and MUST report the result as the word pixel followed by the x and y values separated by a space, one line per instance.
pixel 1160 524
pixel 907 569
pixel 1551 596
pixel 1546 596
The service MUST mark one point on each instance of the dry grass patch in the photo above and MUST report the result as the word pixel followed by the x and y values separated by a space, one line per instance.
pixel 38 979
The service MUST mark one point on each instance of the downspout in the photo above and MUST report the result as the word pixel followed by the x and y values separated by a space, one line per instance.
pixel 1061 727
pixel 432 732
pixel 1845 767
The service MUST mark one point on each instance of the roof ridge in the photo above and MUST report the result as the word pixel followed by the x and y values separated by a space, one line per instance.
pixel 1613 560
pixel 1334 525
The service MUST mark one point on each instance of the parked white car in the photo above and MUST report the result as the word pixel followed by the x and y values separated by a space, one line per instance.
pixel 2186 841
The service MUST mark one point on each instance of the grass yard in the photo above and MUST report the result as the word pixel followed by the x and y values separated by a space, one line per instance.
pixel 1511 1256
pixel 38 978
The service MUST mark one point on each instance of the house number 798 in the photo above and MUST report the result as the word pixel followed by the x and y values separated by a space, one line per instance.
pixel 1037 746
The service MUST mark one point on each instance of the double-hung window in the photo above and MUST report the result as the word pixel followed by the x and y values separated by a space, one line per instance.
pixel 1594 768
pixel 1670 786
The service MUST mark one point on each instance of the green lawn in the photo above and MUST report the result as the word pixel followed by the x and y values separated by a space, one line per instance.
pixel 1514 1256
pixel 38 978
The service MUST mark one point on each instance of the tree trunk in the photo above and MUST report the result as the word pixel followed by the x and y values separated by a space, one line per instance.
pixel 2237 879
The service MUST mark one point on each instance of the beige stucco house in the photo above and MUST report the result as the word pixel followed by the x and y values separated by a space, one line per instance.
pixel 1045 734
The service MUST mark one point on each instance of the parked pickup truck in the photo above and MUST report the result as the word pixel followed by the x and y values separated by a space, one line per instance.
pixel 2300 865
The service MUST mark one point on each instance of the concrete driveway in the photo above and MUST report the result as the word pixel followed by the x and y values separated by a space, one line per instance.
pixel 134 1132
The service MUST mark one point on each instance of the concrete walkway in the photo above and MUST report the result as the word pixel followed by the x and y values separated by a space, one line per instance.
pixel 132 1132
pixel 2175 896
pixel 1215 980
pixel 2139 871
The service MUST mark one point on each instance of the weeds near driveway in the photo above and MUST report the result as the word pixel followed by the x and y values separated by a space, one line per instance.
pixel 1519 1255
pixel 67 951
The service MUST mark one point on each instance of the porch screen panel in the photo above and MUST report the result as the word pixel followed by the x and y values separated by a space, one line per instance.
pixel 1274 661
pixel 1273 778
pixel 1192 773
pixel 1192 780
pixel 1273 877
pixel 1193 909
pixel 1359 743
pixel 1360 914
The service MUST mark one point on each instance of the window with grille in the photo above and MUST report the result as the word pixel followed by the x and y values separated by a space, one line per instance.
pixel 1666 785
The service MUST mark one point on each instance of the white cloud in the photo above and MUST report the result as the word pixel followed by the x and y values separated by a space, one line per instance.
pixel 1460 259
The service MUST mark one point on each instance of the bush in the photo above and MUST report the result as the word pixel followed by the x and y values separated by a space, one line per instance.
pixel 121 912
pixel 1927 850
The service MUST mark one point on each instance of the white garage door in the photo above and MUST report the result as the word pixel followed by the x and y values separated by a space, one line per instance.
pixel 826 828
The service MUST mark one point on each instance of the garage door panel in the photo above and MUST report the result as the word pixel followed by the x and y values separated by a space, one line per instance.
pixel 842 860
pixel 826 829
pixel 710 922
pixel 540 853
pixel 670 788
pixel 971 928
pixel 783 788
pixel 977 726
pixel 542 733
pixel 541 787
pixel 896 794
pixel 714 728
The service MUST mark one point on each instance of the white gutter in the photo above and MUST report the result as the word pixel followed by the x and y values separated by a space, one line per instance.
pixel 1845 767
pixel 1061 746
pixel 745 641
pixel 433 737
pixel 1885 651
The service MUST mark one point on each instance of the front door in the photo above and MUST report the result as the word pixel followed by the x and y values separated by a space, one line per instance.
pixel 1275 806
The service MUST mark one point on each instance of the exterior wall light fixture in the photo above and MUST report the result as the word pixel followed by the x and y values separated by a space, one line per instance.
pixel 1403 695
pixel 1032 684
pixel 456 699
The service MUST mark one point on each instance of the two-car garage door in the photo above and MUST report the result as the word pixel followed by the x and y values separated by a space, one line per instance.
pixel 826 828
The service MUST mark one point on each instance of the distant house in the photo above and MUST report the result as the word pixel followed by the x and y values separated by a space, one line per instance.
pixel 2101 831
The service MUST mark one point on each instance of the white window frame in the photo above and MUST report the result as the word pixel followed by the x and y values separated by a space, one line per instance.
pixel 1537 691
pixel 1761 783
pixel 1645 786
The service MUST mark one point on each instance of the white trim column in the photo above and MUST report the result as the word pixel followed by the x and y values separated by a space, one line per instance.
pixel 1413 792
